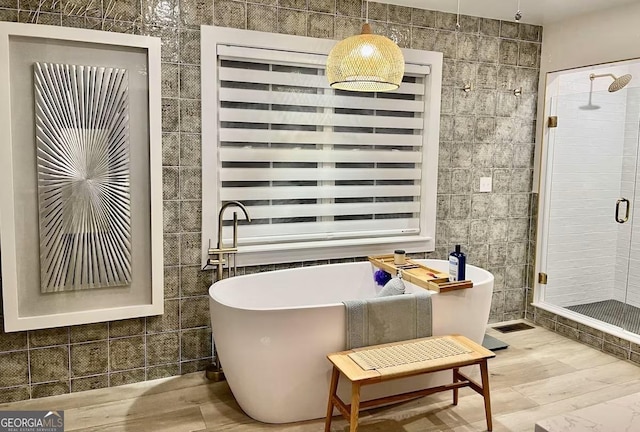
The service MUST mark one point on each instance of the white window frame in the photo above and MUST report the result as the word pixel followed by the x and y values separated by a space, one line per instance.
pixel 214 37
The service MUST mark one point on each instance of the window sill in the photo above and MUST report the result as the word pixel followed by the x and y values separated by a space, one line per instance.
pixel 332 249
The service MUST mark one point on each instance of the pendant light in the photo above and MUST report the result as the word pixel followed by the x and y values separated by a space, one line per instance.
pixel 366 62
pixel 518 16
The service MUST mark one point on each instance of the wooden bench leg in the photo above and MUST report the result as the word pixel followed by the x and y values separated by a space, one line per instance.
pixel 355 407
pixel 455 390
pixel 335 375
pixel 484 373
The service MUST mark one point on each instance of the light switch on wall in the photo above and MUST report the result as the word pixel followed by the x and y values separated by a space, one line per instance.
pixel 485 184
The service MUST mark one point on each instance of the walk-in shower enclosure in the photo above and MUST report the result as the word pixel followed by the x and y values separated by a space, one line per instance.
pixel 588 253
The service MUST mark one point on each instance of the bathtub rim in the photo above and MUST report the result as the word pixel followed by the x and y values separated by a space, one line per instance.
pixel 489 278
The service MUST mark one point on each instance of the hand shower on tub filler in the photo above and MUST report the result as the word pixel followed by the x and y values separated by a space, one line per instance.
pixel 457 263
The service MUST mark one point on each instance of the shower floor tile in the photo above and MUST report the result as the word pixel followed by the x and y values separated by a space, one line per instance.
pixel 612 312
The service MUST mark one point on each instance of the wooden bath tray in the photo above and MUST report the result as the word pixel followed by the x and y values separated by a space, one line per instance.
pixel 419 274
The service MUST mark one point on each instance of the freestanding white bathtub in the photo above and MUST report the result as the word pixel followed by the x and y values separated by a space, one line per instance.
pixel 273 331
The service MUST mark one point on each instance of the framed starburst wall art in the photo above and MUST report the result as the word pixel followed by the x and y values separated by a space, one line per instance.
pixel 80 176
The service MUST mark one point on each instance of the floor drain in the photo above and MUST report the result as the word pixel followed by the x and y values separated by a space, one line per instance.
pixel 508 328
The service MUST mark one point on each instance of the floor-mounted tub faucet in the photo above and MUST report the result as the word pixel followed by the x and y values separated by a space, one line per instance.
pixel 217 255
pixel 217 258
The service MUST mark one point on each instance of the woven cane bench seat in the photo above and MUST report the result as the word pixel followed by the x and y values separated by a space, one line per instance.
pixel 370 365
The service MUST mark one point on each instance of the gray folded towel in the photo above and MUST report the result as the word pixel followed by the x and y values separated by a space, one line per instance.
pixel 388 319
pixel 395 286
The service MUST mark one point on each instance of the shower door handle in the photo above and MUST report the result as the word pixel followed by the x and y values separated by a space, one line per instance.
pixel 626 214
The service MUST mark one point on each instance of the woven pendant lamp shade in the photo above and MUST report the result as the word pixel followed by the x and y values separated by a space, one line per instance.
pixel 365 62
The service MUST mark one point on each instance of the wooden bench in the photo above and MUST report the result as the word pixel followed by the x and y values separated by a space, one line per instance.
pixel 374 364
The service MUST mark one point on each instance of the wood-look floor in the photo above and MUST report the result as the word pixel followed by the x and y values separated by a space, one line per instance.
pixel 540 375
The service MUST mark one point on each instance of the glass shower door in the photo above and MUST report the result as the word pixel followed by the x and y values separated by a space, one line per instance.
pixel 588 206
pixel 631 316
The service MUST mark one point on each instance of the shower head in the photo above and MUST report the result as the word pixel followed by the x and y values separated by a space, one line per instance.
pixel 617 84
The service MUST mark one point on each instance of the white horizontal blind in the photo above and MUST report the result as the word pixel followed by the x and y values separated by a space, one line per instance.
pixel 312 163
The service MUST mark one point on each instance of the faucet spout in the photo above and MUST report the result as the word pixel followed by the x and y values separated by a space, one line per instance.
pixel 235 221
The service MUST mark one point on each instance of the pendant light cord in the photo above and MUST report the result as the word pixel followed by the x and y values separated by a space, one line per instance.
pixel 458 17
pixel 366 19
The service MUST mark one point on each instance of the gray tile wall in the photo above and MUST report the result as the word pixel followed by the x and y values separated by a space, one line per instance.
pixel 486 132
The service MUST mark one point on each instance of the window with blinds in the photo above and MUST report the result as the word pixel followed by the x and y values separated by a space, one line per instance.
pixel 314 165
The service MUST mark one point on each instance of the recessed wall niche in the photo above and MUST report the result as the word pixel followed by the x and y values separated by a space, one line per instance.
pixel 80 176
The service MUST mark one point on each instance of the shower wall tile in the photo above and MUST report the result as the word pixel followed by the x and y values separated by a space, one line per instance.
pixel 172 249
pixel 8 15
pixel 293 22
pixel 488 49
pixel 171 216
pixel 320 25
pixel 528 79
pixel 529 54
pixel 89 383
pixel 352 8
pixel 345 27
pixel 89 359
pixel 446 21
pixel 194 281
pixel 400 14
pixel 194 365
pixel 423 38
pixel 190 216
pixel 163 348
pixel 163 371
pixel 49 364
pixel 170 80
pixel 326 6
pixel 194 312
pixel 229 13
pixel 12 341
pixel 189 82
pixel 508 52
pixel 128 327
pixel 486 132
pixel 126 353
pixel 194 13
pixel 196 344
pixel 171 282
pixel 49 389
pixel 400 34
pixel 465 73
pixel 423 18
pixel 467 47
pixel 489 27
pixel 567 331
pixel 170 149
pixel 126 377
pixel 469 24
pixel 530 32
pixel 14 369
pixel 48 337
pixel 88 332
pixel 486 76
pixel 14 394
pixel 378 11
pixel 509 29
pixel 169 321
pixel 190 183
pixel 262 18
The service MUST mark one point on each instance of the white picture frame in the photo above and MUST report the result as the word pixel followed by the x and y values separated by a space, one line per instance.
pixel 24 306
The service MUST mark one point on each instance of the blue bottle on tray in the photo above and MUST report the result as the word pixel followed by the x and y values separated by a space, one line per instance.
pixel 457 263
